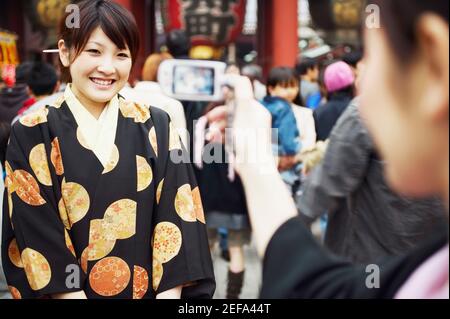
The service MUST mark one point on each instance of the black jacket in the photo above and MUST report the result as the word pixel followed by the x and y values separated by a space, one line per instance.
pixel 308 272
pixel 11 101
pixel 326 116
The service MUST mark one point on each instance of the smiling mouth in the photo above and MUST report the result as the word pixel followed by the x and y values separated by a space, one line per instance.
pixel 102 82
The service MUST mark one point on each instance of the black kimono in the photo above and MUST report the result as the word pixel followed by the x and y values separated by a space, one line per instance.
pixel 132 229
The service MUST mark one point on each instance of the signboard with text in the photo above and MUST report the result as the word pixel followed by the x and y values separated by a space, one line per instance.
pixel 207 22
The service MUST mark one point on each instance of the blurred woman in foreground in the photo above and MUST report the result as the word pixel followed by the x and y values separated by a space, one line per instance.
pixel 405 104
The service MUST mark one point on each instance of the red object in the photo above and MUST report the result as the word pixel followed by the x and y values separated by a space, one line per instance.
pixel 126 3
pixel 207 22
pixel 9 75
pixel 26 105
pixel 277 33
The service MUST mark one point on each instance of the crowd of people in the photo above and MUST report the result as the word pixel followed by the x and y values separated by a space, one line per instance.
pixel 359 142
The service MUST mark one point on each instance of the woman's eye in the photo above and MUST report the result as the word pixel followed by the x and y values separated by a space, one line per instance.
pixel 123 55
pixel 93 51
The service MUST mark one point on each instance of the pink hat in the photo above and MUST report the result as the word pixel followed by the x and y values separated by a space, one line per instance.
pixel 337 76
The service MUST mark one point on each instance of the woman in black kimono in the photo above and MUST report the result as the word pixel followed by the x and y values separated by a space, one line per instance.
pixel 95 206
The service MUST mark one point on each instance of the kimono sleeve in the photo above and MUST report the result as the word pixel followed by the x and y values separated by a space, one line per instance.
pixel 36 248
pixel 181 255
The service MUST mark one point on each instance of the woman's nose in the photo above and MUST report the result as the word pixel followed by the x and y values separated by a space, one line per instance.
pixel 106 67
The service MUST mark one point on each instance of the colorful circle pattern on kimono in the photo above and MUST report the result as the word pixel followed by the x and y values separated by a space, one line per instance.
pixel 140 282
pixel 184 204
pixel 101 240
pixel 39 164
pixel 174 138
pixel 69 243
pixel 110 276
pixel 140 113
pixel 15 293
pixel 37 269
pixel 76 200
pixel 119 222
pixel 159 191
pixel 144 173
pixel 198 206
pixel 56 158
pixel 27 188
pixel 113 160
pixel 84 258
pixel 121 217
pixel 35 118
pixel 14 254
pixel 82 140
pixel 63 214
pixel 167 241
pixel 153 140
pixel 157 273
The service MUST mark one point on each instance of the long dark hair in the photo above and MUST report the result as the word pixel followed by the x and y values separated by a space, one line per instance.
pixel 399 19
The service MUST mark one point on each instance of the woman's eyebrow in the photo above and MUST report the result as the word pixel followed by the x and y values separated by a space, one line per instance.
pixel 97 43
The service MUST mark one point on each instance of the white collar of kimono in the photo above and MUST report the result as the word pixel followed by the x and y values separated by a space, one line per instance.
pixel 100 133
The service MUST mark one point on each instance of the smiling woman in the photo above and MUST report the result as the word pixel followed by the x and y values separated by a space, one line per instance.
pixel 91 187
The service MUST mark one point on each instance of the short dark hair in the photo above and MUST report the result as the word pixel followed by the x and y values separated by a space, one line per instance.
pixel 399 18
pixel 23 71
pixel 42 79
pixel 116 22
pixel 306 64
pixel 353 58
pixel 282 76
pixel 178 43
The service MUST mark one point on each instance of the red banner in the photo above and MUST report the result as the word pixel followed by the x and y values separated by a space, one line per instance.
pixel 207 22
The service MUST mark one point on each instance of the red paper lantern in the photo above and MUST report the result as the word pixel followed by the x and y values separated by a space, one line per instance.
pixel 207 22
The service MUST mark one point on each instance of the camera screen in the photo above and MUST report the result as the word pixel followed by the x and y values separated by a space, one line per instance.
pixel 189 80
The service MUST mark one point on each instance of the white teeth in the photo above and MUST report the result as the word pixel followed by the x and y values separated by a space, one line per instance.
pixel 102 82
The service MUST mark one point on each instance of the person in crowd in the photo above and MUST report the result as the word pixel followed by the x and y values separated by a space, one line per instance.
pixel 354 59
pixel 303 115
pixel 42 82
pixel 146 238
pixel 225 209
pixel 339 81
pixel 43 85
pixel 179 45
pixel 13 98
pixel 356 62
pixel 414 140
pixel 308 70
pixel 280 83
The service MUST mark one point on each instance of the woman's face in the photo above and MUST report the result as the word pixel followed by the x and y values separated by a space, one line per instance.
pixel 101 70
pixel 397 105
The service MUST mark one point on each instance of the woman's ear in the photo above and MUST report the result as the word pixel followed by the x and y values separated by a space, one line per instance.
pixel 63 54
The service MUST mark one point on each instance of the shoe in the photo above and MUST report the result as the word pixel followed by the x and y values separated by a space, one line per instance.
pixel 235 282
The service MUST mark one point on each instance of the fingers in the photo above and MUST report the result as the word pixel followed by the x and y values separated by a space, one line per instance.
pixel 217 114
pixel 242 86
